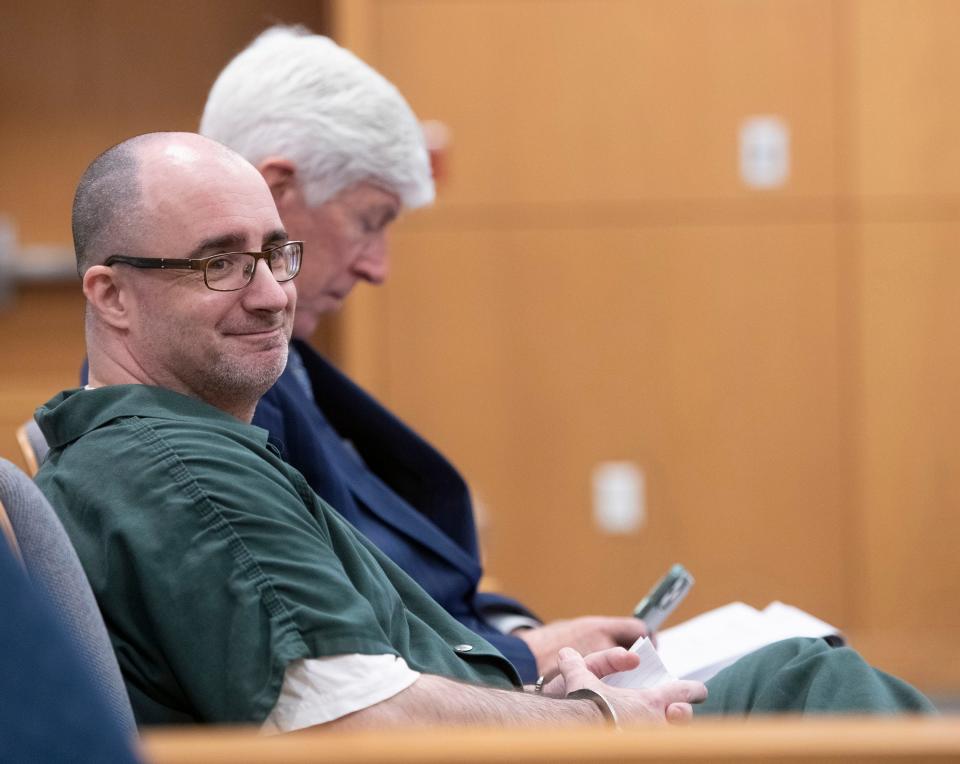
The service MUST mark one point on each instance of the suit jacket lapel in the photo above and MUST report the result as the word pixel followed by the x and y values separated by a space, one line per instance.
pixel 414 489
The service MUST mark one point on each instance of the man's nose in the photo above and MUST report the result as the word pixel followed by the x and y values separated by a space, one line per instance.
pixel 373 264
pixel 264 292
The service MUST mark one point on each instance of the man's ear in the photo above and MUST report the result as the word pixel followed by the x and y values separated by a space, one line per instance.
pixel 281 176
pixel 106 296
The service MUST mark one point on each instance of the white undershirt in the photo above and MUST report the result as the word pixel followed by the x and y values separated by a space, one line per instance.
pixel 507 623
pixel 319 690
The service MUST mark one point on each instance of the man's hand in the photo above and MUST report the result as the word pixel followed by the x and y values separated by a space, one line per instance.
pixel 599 664
pixel 586 635
pixel 668 702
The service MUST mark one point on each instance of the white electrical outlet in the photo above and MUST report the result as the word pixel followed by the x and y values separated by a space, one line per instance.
pixel 764 152
pixel 619 497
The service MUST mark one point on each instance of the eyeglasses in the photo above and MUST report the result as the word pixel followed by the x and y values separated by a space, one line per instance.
pixel 230 271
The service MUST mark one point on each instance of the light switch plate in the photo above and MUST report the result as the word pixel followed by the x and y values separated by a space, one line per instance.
pixel 619 497
pixel 764 152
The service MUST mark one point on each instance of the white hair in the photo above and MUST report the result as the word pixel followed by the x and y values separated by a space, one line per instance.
pixel 301 96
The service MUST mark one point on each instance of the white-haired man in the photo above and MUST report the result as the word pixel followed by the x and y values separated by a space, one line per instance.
pixel 343 154
pixel 231 591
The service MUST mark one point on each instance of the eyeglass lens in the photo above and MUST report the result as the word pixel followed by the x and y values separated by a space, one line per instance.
pixel 235 270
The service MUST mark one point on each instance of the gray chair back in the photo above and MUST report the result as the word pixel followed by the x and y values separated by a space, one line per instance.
pixel 52 563
pixel 33 445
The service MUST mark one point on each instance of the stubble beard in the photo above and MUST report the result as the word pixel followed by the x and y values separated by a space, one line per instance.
pixel 230 380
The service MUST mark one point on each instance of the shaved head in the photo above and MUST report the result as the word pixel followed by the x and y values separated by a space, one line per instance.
pixel 106 203
pixel 108 211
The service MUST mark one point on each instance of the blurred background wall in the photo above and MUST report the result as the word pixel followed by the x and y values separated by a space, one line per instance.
pixel 760 330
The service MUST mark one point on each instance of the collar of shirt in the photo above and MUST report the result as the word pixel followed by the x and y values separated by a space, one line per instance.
pixel 73 413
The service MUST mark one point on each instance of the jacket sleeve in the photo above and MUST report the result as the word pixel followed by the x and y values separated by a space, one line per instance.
pixel 488 606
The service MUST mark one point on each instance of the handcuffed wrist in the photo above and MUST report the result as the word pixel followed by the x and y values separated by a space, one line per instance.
pixel 606 708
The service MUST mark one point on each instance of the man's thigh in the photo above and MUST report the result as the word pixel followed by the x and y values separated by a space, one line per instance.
pixel 808 676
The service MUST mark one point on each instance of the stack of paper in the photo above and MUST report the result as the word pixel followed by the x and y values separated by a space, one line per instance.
pixel 702 646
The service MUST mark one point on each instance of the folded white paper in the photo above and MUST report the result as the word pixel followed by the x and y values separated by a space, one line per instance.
pixel 649 673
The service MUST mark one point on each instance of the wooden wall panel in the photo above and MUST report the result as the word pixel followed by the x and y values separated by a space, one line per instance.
pixel 75 78
pixel 587 111
pixel 42 331
pixel 904 172
pixel 613 100
pixel 911 430
pixel 906 67
pixel 910 447
pixel 706 355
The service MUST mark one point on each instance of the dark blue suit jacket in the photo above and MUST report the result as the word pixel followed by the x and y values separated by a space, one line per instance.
pixel 392 486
